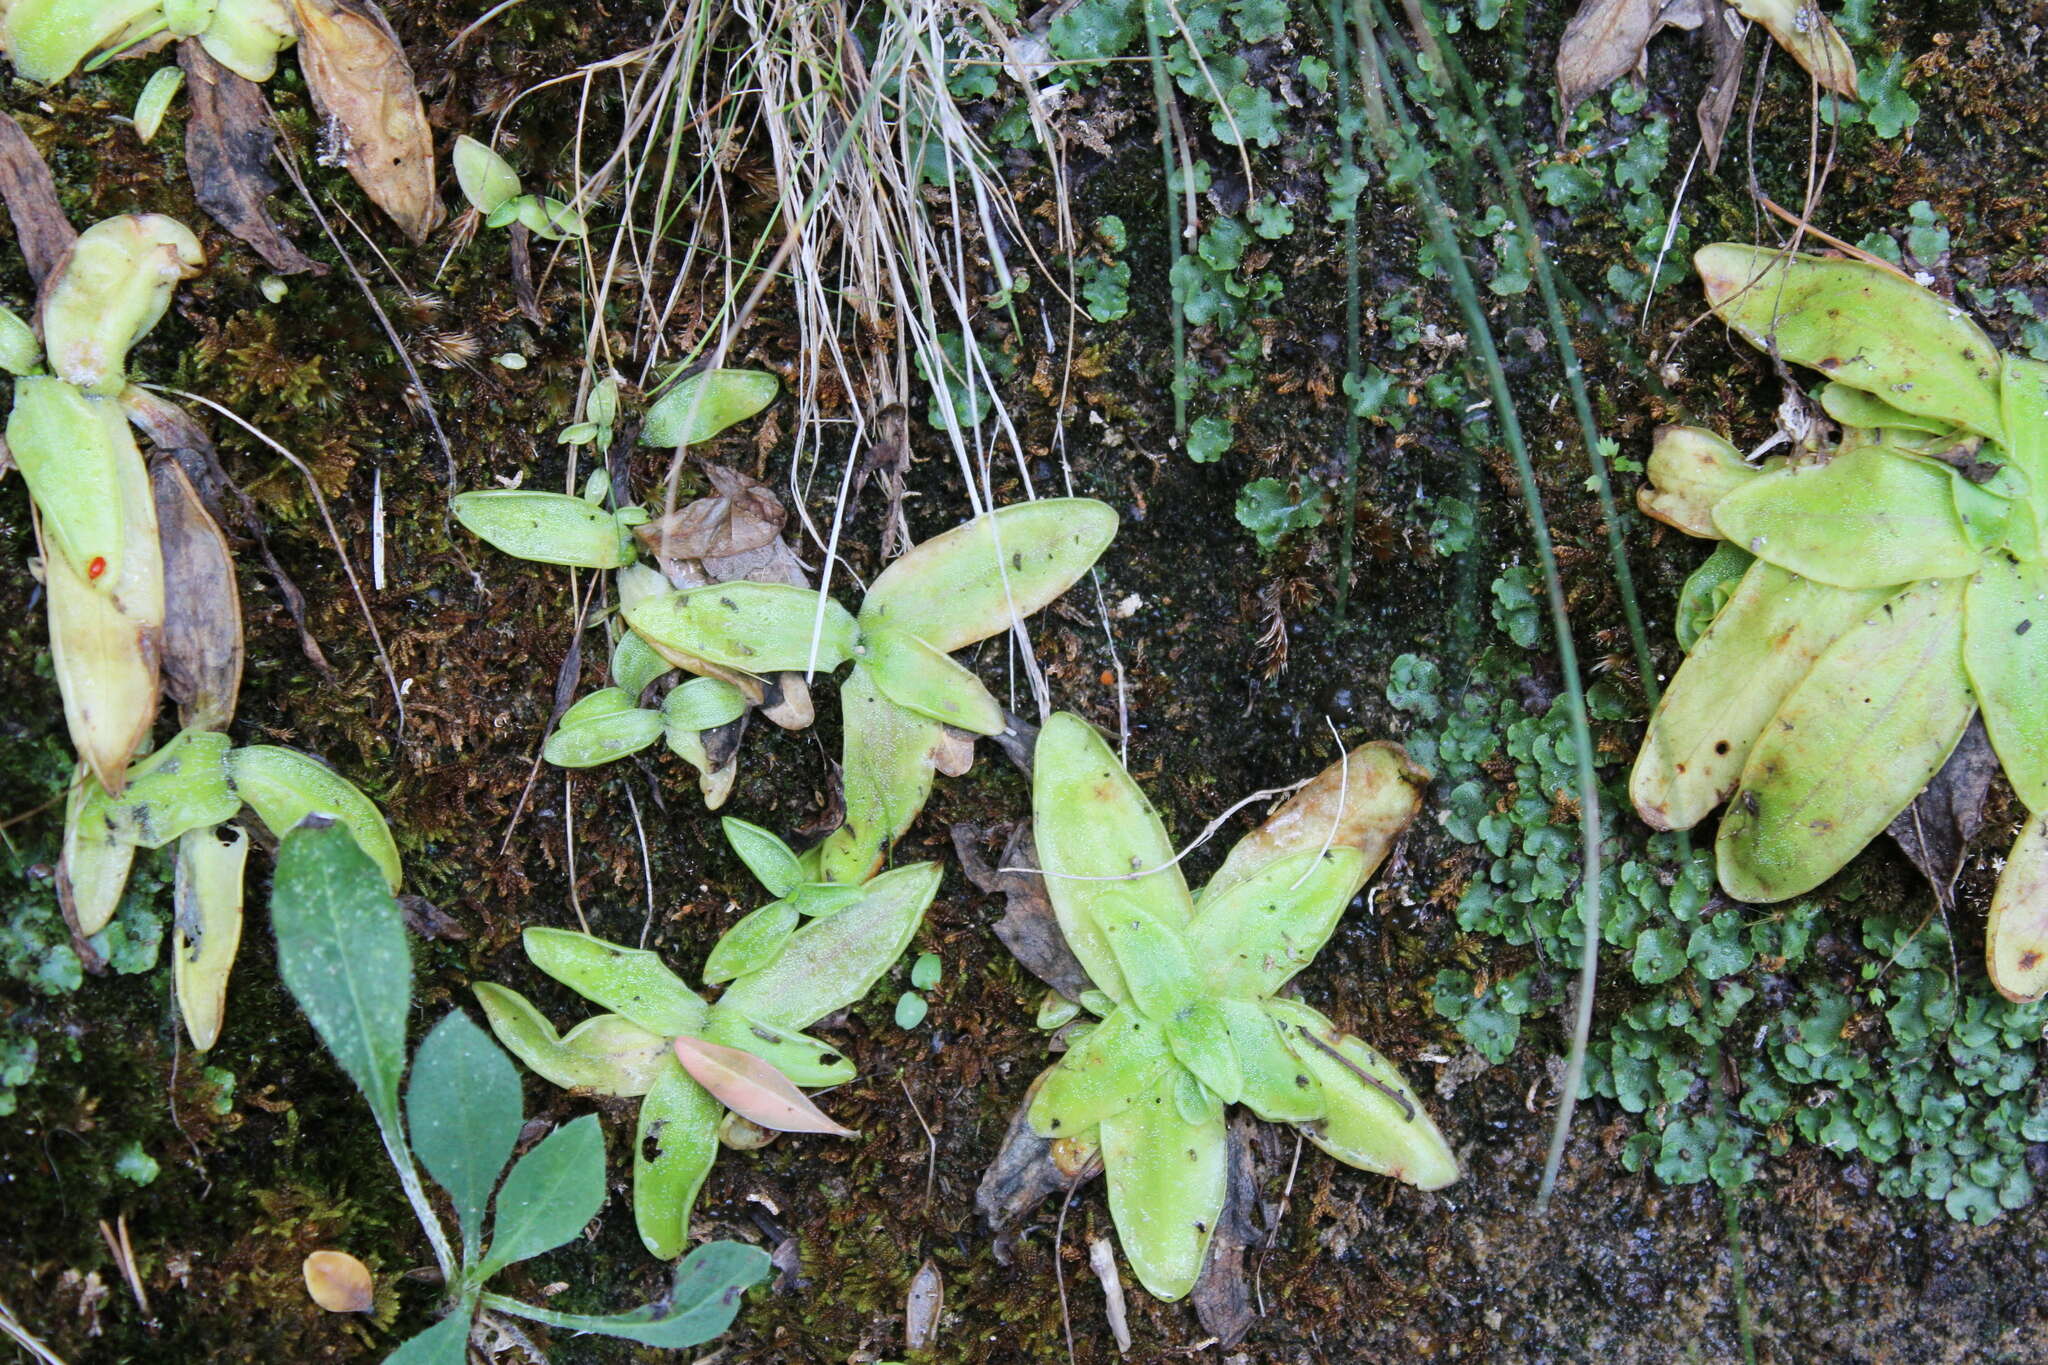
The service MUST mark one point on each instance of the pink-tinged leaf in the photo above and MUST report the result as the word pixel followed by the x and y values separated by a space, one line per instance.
pixel 753 1089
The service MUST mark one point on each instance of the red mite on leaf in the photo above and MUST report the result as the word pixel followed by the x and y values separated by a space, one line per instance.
pixel 97 567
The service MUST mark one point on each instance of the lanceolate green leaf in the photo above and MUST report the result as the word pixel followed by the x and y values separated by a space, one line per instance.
pixel 588 736
pixel 759 627
pixel 1118 1060
pixel 629 981
pixel 971 582
pixel 1152 956
pixel 1865 519
pixel 487 179
pixel 832 962
pixel 1861 735
pixel 700 1304
pixel 802 1058
pixel 2005 647
pixel 445 1343
pixel 549 1195
pixel 1258 933
pixel 1094 831
pixel 921 679
pixel 549 528
pixel 673 1150
pixel 1167 1180
pixel 888 759
pixel 73 450
pixel 342 952
pixel 1199 1034
pixel 463 1111
pixel 607 1054
pixel 207 892
pixel 701 703
pixel 751 944
pixel 635 665
pixel 1372 1119
pixel 1852 407
pixel 2024 389
pixel 284 786
pixel 179 788
pixel 1763 642
pixel 773 863
pixel 1860 325
pixel 93 871
pixel 1277 1086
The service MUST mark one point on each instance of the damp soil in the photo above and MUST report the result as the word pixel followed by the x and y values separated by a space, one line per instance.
pixel 1620 1268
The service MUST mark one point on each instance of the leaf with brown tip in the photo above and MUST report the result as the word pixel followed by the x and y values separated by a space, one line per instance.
pixel 359 77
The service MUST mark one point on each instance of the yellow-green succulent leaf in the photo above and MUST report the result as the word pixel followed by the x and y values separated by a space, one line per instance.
pixel 1373 1119
pixel 20 352
pixel 246 36
pixel 548 528
pixel 1104 1070
pixel 606 1054
pixel 635 667
pixel 74 459
pixel 1853 407
pixel 106 642
pixel 919 678
pixel 1251 939
pixel 699 406
pixel 2005 650
pixel 1690 470
pixel 832 962
pixel 2024 389
pixel 758 627
pixel 773 863
pixel 633 982
pixel 1151 955
pixel 673 1148
pixel 1756 651
pixel 600 728
pixel 1199 1035
pixel 206 893
pixel 1277 1086
pixel 2016 935
pixel 284 786
pixel 189 18
pixel 1197 1103
pixel 815 900
pixel 974 580
pixel 180 788
pixel 1850 747
pixel 155 101
pixel 1099 841
pixel 1363 801
pixel 92 870
pixel 113 287
pixel 1865 519
pixel 887 759
pixel 487 179
pixel 1707 589
pixel 1861 325
pixel 701 703
pixel 756 940
pixel 47 39
pixel 807 1061
pixel 1167 1181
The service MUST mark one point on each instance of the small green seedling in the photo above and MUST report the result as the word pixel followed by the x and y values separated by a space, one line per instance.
pixel 1889 588
pixel 342 950
pixel 690 1062
pixel 1187 992
pixel 492 188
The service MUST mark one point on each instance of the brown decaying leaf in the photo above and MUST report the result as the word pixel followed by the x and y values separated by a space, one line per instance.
pixel 1223 1296
pixel 339 1282
pixel 40 226
pixel 738 515
pixel 202 639
pixel 1020 1178
pixel 923 1307
pixel 360 79
pixel 1603 42
pixel 1723 32
pixel 523 289
pixel 1028 928
pixel 1935 831
pixel 229 139
pixel 753 1089
pixel 787 702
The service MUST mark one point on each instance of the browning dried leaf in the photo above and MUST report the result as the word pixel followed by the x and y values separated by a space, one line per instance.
pixel 740 514
pixel 1223 1296
pixel 1020 1178
pixel 229 139
pixel 1935 831
pixel 40 226
pixel 1028 928
pixel 360 79
pixel 923 1307
pixel 202 639
pixel 753 1088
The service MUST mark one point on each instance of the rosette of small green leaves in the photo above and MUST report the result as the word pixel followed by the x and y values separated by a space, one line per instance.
pixel 492 188
pixel 190 793
pixel 778 985
pixel 1187 987
pixel 908 709
pixel 1891 590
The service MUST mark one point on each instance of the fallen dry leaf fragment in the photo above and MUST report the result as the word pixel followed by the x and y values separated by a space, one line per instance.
pixel 40 226
pixel 202 638
pixel 923 1307
pixel 1802 30
pixel 339 1282
pixel 229 139
pixel 753 1089
pixel 360 79
pixel 1603 42
pixel 1028 928
pixel 1935 831
pixel 1102 1260
pixel 738 515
